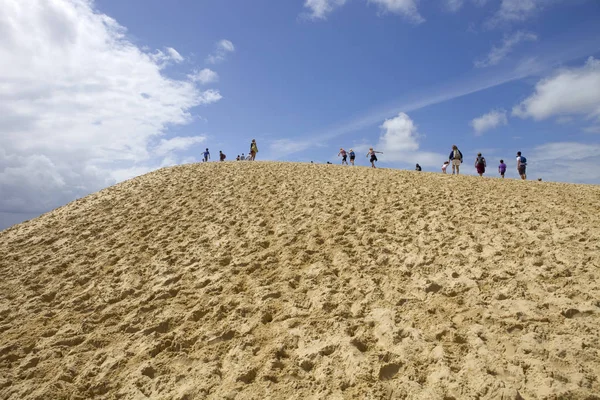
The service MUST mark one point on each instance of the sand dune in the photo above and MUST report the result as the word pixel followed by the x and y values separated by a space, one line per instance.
pixel 295 281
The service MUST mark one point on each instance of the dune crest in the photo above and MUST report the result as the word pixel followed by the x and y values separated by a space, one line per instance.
pixel 298 281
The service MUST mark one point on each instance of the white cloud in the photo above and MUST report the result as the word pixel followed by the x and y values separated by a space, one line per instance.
pixel 178 143
pixel 209 96
pixel 400 143
pixel 406 8
pixel 204 76
pixel 222 49
pixel 518 10
pixel 81 107
pixel 455 5
pixel 565 162
pixel 571 91
pixel 319 9
pixel 513 11
pixel 175 56
pixel 161 58
pixel 399 134
pixel 488 121
pixel 498 53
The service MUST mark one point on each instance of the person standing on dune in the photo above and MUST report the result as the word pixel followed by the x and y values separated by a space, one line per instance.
pixel 253 150
pixel 344 156
pixel 206 155
pixel 480 164
pixel 502 168
pixel 352 156
pixel 522 165
pixel 373 153
pixel 456 158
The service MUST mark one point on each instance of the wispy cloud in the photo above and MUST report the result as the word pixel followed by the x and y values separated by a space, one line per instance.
pixel 204 76
pixel 222 49
pixel 174 54
pixel 511 11
pixel 455 5
pixel 498 53
pixel 546 58
pixel 405 8
pixel 488 121
pixel 164 58
pixel 320 9
pixel 515 11
pixel 427 97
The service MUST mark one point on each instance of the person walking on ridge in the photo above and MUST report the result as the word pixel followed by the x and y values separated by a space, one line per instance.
pixel 456 158
pixel 253 150
pixel 344 156
pixel 373 156
pixel 418 168
pixel 206 155
pixel 522 165
pixel 502 168
pixel 352 157
pixel 222 156
pixel 480 164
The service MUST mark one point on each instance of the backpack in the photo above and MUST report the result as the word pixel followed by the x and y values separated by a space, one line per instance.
pixel 523 161
pixel 480 160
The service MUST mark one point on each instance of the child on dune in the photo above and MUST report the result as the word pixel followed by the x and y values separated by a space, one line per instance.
pixel 502 168
pixel 446 163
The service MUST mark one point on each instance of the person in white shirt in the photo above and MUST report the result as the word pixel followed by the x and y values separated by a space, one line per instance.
pixel 522 165
pixel 446 163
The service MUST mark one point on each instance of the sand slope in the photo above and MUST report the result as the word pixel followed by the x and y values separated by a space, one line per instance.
pixel 294 281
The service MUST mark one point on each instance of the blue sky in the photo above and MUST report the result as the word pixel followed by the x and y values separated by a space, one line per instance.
pixel 119 88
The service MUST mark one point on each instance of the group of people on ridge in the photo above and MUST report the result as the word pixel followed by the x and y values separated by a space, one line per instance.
pixel 372 153
pixel 456 158
pixel 222 156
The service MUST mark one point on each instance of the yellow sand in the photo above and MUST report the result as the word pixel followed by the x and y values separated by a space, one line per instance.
pixel 297 281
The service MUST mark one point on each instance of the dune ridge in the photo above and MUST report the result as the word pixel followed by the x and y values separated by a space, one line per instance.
pixel 273 280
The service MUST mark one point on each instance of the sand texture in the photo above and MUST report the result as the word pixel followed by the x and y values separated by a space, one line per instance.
pixel 297 281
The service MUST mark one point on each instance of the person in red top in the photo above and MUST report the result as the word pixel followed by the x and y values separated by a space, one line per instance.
pixel 344 156
pixel 480 164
